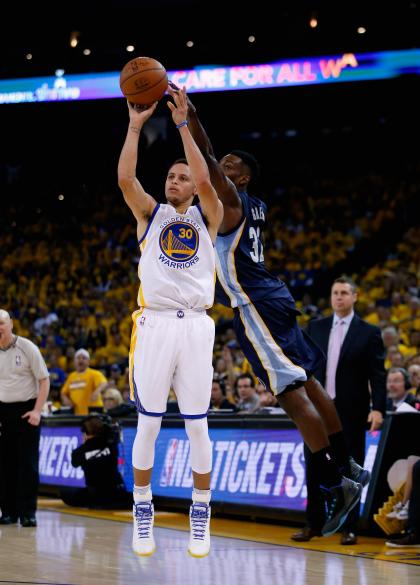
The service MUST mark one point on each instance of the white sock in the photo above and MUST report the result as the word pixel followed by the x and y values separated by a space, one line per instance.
pixel 142 493
pixel 201 496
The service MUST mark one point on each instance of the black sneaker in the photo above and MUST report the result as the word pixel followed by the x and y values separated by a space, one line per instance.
pixel 358 474
pixel 340 500
pixel 28 521
pixel 406 540
pixel 8 520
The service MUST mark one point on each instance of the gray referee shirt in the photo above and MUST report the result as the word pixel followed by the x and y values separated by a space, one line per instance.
pixel 21 368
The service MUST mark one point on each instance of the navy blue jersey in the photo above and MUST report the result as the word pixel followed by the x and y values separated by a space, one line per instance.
pixel 242 277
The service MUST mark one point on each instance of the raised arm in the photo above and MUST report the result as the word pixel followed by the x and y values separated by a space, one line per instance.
pixel 211 206
pixel 226 190
pixel 223 185
pixel 140 203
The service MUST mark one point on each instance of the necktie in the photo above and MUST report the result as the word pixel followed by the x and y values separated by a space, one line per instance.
pixel 336 341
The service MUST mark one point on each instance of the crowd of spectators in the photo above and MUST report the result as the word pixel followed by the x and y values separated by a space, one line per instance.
pixel 70 281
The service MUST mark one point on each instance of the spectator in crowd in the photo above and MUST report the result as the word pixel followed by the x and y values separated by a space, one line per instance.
pixel 218 396
pixel 398 386
pixel 57 374
pixel 98 457
pixel 115 378
pixel 414 374
pixel 57 379
pixel 83 387
pixel 248 397
pixel 114 404
pixel 391 337
pixel 411 537
pixel 355 361
pixel 24 387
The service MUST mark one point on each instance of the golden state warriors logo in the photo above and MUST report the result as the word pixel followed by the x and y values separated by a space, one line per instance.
pixel 179 242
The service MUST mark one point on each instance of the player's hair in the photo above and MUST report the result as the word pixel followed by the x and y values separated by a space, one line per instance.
pixel 346 280
pixel 250 161
pixel 179 161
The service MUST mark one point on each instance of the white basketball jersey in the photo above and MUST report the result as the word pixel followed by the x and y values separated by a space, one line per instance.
pixel 177 262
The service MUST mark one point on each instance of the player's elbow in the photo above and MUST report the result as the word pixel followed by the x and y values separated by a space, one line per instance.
pixel 125 181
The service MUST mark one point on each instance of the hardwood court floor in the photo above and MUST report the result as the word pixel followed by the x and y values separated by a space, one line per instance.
pixel 85 549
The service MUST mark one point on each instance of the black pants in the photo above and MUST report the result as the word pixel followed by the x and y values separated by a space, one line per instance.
pixel 413 524
pixel 19 458
pixel 118 499
pixel 355 437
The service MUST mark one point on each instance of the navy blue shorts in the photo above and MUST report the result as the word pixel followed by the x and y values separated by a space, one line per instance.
pixel 280 353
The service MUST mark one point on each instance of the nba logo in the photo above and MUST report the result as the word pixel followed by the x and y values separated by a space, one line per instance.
pixel 18 360
pixel 165 476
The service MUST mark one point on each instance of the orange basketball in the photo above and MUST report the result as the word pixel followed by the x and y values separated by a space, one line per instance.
pixel 143 81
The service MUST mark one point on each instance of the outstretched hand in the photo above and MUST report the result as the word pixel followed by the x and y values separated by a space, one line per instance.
pixel 172 86
pixel 179 107
pixel 140 114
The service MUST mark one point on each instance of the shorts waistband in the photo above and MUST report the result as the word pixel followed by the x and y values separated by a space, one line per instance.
pixel 175 313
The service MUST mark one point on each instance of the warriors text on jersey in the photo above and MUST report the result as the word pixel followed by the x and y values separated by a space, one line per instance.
pixel 177 263
pixel 241 272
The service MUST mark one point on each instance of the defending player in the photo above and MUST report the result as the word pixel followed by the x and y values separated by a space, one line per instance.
pixel 282 356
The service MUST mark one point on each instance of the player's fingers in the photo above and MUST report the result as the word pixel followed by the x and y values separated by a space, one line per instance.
pixel 171 106
pixel 173 86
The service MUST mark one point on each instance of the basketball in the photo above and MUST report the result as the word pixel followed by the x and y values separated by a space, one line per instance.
pixel 143 81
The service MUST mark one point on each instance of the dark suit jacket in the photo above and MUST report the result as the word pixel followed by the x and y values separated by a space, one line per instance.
pixel 361 361
pixel 409 399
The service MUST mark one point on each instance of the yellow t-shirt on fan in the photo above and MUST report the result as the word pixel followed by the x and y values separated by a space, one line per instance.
pixel 80 386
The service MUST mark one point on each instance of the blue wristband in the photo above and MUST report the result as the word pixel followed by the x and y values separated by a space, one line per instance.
pixel 184 123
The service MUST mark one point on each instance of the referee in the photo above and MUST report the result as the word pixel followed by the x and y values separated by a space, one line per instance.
pixel 24 387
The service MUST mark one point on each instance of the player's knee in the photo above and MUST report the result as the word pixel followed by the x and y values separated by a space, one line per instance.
pixel 200 445
pixel 148 427
pixel 197 430
pixel 294 402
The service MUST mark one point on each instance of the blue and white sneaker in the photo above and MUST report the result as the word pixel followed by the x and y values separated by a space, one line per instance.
pixel 199 545
pixel 143 519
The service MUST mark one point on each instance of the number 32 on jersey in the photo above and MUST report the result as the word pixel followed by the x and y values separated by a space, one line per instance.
pixel 257 251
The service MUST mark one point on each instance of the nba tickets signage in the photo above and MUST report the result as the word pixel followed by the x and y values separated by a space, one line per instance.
pixel 313 70
pixel 258 467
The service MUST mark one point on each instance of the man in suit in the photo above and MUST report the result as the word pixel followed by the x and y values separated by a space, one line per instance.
pixel 355 360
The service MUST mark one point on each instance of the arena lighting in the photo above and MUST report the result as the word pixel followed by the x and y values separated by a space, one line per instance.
pixel 348 67
pixel 86 52
pixel 130 48
pixel 313 23
pixel 190 44
pixel 74 39
pixel 251 39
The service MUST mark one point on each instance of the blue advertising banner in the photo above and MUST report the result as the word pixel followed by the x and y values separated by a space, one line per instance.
pixel 258 467
pixel 254 467
pixel 346 67
pixel 56 446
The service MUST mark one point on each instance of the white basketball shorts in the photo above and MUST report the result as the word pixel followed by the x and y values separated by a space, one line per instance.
pixel 171 349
